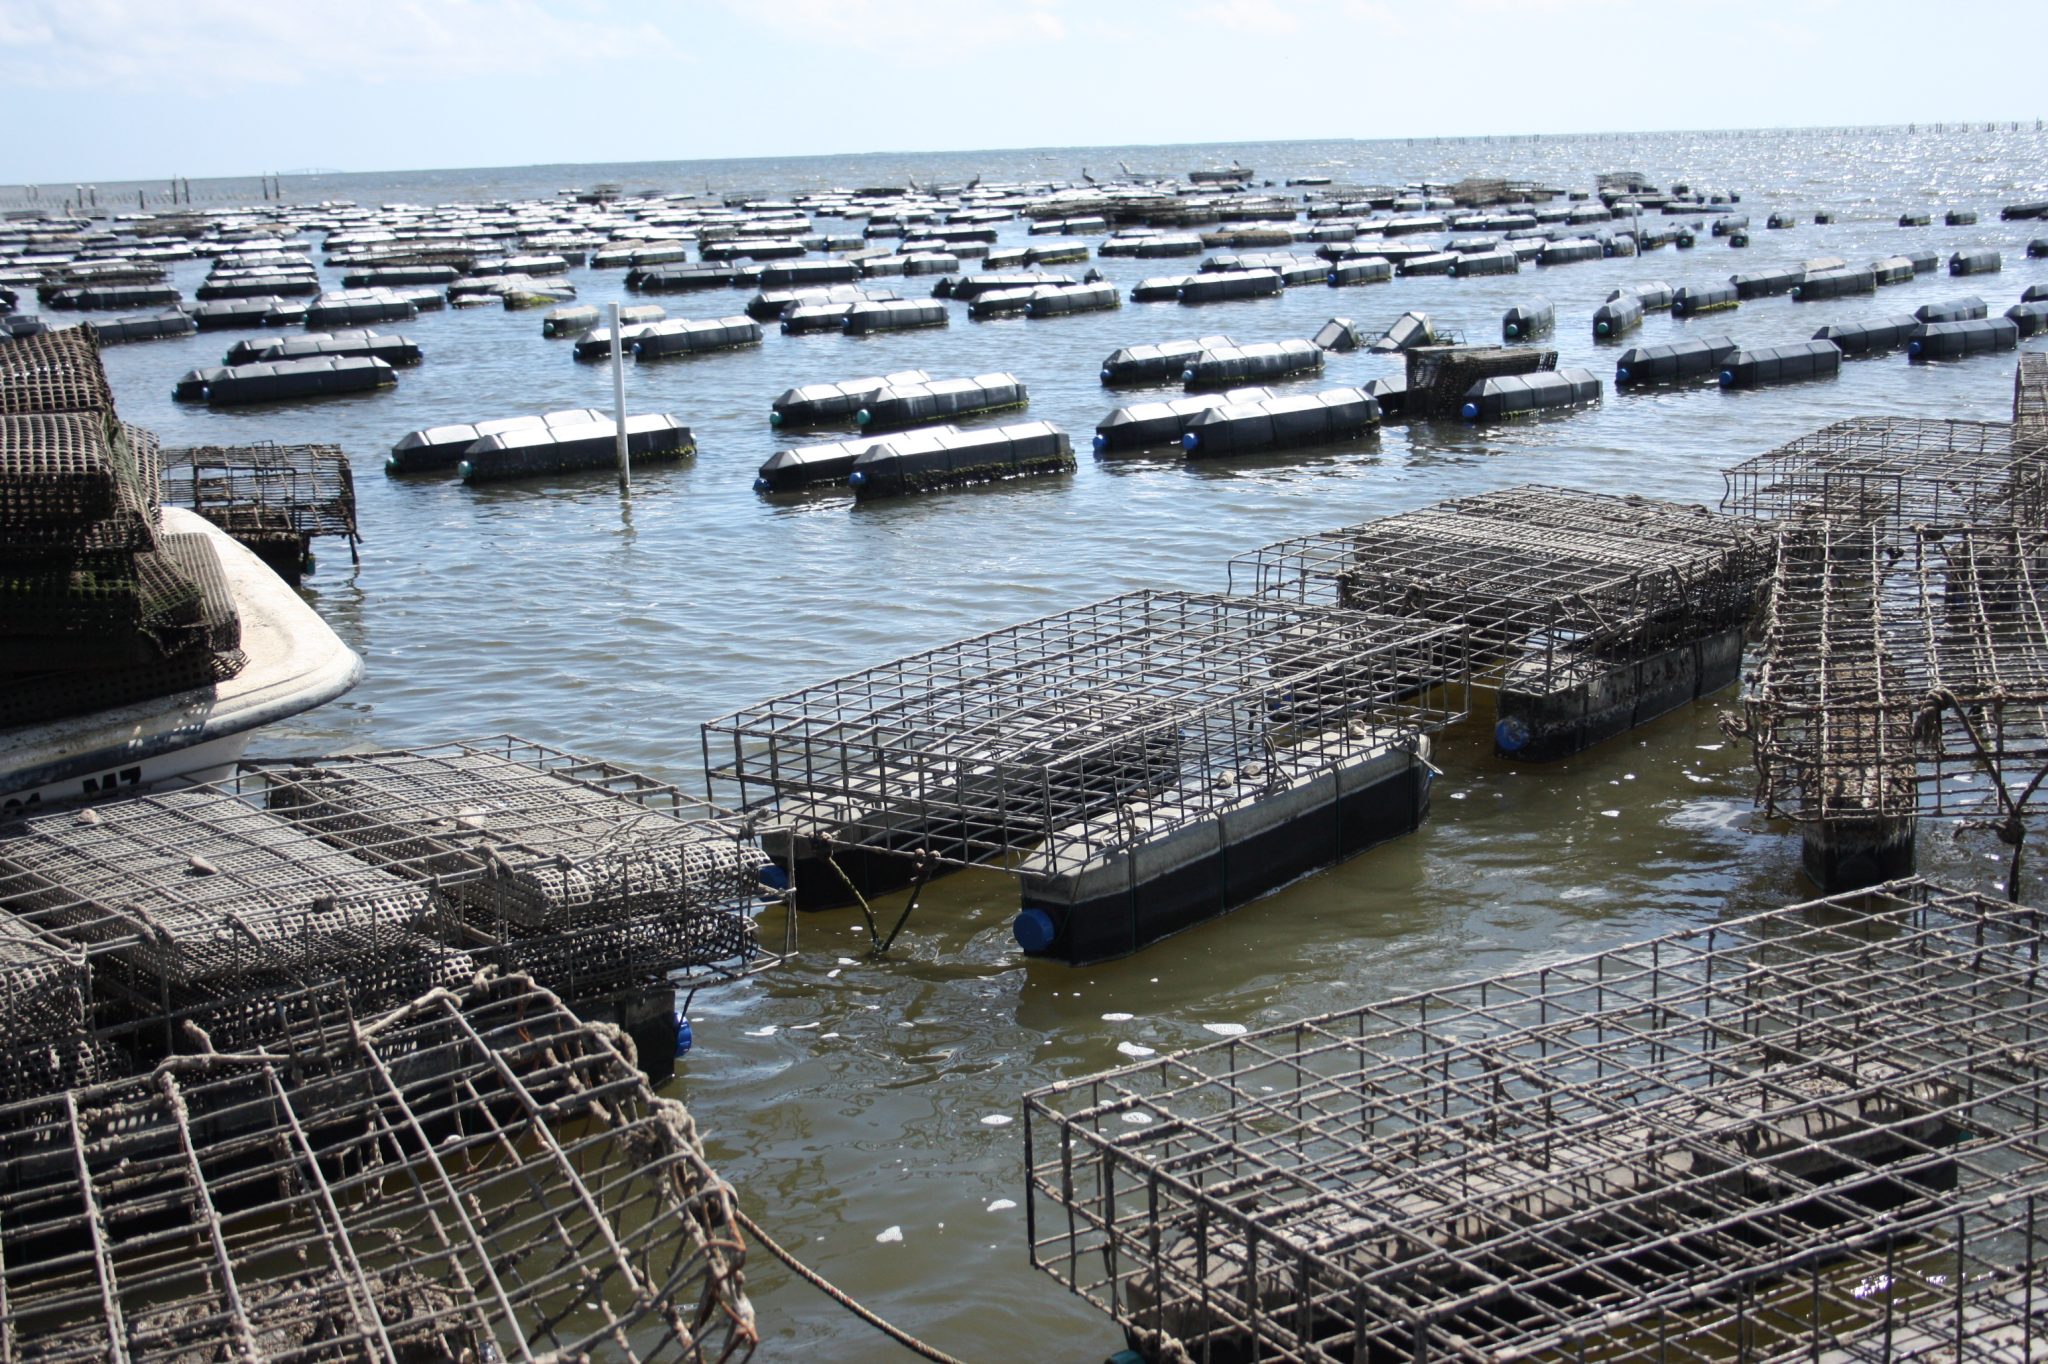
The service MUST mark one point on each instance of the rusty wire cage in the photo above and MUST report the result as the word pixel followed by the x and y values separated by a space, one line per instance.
pixel 2030 397
pixel 265 491
pixel 1537 580
pixel 1902 676
pixel 1897 473
pixel 475 1175
pixel 1801 1130
pixel 369 878
pixel 1038 734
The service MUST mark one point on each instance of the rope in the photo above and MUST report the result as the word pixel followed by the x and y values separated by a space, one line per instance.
pixel 818 1281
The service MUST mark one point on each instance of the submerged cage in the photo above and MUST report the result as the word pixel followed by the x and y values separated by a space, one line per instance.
pixel 272 498
pixel 366 879
pixel 1902 675
pixel 1038 734
pixel 1898 472
pixel 475 1175
pixel 1818 1128
pixel 1539 581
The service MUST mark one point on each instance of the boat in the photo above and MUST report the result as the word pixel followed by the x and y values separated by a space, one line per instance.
pixel 145 645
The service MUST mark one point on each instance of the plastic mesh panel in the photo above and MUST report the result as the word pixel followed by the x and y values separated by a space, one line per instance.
pixel 56 371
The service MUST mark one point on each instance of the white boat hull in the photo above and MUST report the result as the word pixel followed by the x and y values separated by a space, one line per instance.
pixel 295 663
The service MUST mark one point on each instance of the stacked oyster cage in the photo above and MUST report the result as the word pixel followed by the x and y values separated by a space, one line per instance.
pixel 99 607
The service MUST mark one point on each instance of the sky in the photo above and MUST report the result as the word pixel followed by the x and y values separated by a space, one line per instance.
pixel 107 90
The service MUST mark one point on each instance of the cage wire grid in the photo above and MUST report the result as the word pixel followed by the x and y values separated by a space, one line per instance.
pixel 475 1175
pixel 54 371
pixel 1794 1131
pixel 265 488
pixel 1534 577
pixel 374 876
pixel 1899 472
pixel 1902 677
pixel 1030 735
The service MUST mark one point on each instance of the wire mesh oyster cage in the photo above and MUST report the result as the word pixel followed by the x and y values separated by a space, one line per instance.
pixel 1039 734
pixel 1902 676
pixel 1898 473
pixel 54 371
pixel 372 877
pixel 1803 1130
pixel 477 1174
pixel 1534 578
pixel 265 488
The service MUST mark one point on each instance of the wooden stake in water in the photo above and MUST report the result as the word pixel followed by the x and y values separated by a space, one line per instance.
pixel 619 405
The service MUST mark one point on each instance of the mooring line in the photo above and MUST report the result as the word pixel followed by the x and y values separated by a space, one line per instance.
pixel 818 1281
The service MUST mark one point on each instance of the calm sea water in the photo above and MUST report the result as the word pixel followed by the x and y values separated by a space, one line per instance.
pixel 845 1097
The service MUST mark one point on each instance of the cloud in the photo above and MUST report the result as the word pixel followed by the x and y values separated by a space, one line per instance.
pixel 222 46
pixel 1248 16
pixel 917 28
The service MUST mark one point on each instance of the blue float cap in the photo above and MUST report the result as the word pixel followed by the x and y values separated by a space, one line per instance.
pixel 206 390
pixel 1912 348
pixel 464 469
pixel 1189 440
pixel 636 350
pixel 1795 291
pixel 856 479
pixel 684 1039
pixel 1034 930
pixel 1101 442
pixel 1599 329
pixel 1510 330
pixel 1511 734
pixel 774 417
pixel 1187 376
pixel 862 417
pixel 391 464
pixel 1470 411
pixel 761 485
pixel 1331 277
pixel 772 875
pixel 1727 377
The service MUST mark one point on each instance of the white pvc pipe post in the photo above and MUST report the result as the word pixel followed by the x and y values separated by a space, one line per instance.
pixel 619 405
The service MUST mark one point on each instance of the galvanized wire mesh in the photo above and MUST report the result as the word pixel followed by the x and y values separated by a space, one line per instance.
pixel 54 371
pixel 303 490
pixel 532 837
pixel 1907 677
pixel 2030 397
pixel 44 1044
pixel 477 1175
pixel 1782 1134
pixel 1898 472
pixel 201 889
pixel 372 877
pixel 71 480
pixel 1541 579
pixel 1039 734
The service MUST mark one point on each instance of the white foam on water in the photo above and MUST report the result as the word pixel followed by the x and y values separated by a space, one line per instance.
pixel 1002 1205
pixel 1116 1018
pixel 768 1031
pixel 995 1120
pixel 1138 1119
pixel 1612 814
pixel 1134 1049
pixel 889 1237
pixel 1227 1029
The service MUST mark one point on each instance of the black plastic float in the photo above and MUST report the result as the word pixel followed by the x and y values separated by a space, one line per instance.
pixel 1968 336
pixel 1525 320
pixel 1273 423
pixel 1698 357
pixel 1870 338
pixel 1229 366
pixel 1788 364
pixel 1509 394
